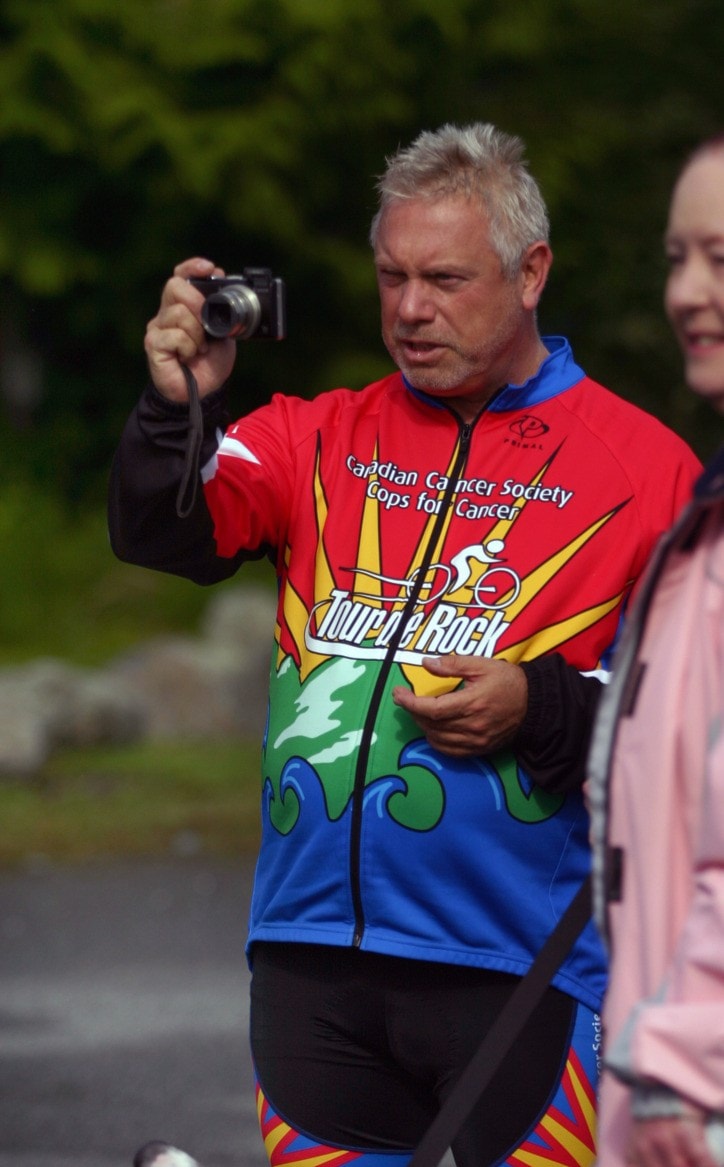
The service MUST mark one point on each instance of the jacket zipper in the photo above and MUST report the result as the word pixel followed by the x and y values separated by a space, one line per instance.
pixel 465 432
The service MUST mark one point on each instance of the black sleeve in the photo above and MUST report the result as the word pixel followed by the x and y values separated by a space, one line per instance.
pixel 147 471
pixel 552 744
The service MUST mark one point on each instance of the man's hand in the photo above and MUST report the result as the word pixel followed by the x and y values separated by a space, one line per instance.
pixel 176 336
pixel 478 718
pixel 670 1142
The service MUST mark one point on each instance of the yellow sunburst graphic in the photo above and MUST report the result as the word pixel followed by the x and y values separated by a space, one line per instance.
pixel 296 614
pixel 285 1147
pixel 476 585
pixel 563 1137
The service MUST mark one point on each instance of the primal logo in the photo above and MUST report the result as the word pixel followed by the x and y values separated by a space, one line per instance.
pixel 528 428
pixel 527 432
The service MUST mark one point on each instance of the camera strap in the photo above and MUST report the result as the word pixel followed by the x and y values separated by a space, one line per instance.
pixel 186 496
pixel 507 1026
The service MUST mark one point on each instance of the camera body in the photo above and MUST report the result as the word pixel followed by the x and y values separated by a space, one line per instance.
pixel 247 306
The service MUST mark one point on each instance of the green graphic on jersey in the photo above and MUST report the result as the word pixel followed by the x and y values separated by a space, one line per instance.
pixel 316 727
pixel 532 807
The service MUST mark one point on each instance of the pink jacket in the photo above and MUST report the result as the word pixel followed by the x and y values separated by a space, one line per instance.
pixel 656 793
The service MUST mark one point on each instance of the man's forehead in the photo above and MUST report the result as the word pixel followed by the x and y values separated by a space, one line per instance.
pixel 429 233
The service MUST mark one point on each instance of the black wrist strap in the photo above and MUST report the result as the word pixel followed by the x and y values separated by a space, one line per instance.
pixel 505 1029
pixel 186 496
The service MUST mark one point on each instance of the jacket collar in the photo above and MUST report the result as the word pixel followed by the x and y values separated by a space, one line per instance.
pixel 557 373
pixel 711 483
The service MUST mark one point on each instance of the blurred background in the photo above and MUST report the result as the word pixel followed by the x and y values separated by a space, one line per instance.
pixel 250 131
pixel 133 135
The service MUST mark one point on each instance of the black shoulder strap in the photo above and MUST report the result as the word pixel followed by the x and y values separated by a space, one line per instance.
pixel 503 1032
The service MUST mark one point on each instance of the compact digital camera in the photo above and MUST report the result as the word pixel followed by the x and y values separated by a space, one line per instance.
pixel 251 305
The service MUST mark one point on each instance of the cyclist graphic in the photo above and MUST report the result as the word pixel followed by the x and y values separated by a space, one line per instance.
pixel 493 589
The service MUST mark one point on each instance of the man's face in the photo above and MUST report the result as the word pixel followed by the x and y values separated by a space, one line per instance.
pixel 452 322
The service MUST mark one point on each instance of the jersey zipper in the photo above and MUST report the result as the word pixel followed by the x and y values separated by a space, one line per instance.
pixel 465 434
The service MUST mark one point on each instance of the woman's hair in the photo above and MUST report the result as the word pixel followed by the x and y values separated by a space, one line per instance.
pixel 713 145
pixel 479 162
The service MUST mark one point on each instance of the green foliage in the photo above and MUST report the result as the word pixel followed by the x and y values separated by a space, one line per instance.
pixel 147 800
pixel 135 134
pixel 66 595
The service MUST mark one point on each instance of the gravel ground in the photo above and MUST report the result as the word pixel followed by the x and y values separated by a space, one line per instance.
pixel 123 1014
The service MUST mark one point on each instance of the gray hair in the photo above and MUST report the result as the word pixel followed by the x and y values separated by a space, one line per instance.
pixel 477 161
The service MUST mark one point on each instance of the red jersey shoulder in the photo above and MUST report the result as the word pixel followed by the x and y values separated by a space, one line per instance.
pixel 623 426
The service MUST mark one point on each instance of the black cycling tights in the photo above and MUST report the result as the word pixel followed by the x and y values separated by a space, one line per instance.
pixel 355 1050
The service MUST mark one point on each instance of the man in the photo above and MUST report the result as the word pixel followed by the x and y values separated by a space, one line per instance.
pixel 454 546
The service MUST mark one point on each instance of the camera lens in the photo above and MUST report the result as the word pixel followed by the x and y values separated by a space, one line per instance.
pixel 233 311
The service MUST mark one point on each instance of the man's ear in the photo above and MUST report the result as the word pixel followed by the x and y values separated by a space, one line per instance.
pixel 534 270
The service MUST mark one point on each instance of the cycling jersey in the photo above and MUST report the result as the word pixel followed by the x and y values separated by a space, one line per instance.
pixel 399 532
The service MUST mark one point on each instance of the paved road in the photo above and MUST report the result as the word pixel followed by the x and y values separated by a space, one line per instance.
pixel 123 1014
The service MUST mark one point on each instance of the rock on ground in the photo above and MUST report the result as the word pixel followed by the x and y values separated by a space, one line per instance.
pixel 172 687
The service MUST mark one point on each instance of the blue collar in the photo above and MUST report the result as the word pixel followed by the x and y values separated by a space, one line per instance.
pixel 557 373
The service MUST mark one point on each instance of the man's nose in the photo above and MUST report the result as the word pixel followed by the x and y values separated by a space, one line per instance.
pixel 415 302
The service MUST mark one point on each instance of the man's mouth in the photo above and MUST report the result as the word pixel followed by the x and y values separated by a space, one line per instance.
pixel 414 347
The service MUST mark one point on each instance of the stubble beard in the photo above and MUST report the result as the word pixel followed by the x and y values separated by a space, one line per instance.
pixel 461 367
